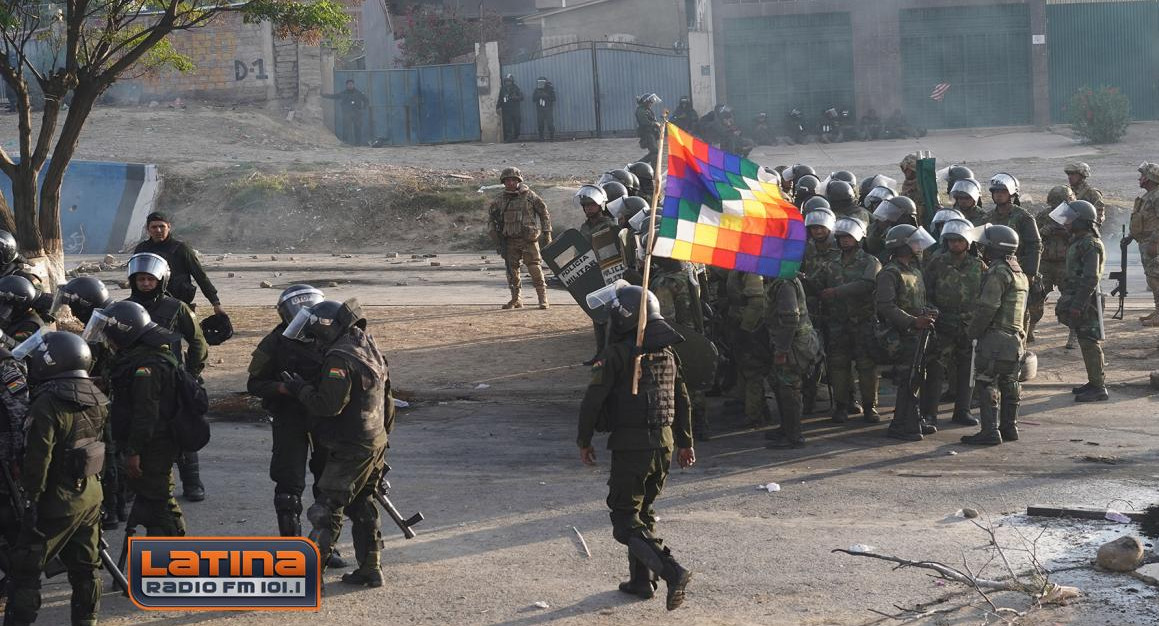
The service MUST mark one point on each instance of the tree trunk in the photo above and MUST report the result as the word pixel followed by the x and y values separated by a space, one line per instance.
pixel 24 202
pixel 7 223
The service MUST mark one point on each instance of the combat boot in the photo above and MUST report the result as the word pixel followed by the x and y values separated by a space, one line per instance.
pixel 1153 315
pixel 640 581
pixel 1008 421
pixel 1081 388
pixel 542 293
pixel 989 435
pixel 660 561
pixel 1093 394
pixel 1071 340
pixel 840 414
pixel 189 467
pixel 514 303
pixel 964 418
pixel 364 577
pixel 871 415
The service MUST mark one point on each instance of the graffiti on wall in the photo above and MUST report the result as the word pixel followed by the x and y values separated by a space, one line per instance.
pixel 257 69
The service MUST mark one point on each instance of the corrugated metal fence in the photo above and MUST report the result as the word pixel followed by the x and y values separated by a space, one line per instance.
pixel 418 105
pixel 596 84
pixel 1113 44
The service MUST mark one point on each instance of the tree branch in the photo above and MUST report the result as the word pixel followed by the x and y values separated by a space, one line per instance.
pixel 945 571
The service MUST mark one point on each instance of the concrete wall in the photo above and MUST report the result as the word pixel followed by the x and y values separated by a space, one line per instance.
pixel 702 64
pixel 233 62
pixel 649 22
pixel 876 42
pixel 488 80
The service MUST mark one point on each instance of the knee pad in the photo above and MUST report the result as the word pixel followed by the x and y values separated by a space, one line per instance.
pixel 288 503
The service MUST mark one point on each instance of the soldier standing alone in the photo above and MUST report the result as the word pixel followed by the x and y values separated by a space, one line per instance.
pixel 997 328
pixel 1145 230
pixel 518 216
pixel 508 104
pixel 544 97
pixel 648 127
pixel 644 428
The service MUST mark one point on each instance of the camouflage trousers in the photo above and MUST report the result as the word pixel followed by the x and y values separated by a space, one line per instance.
pixel 525 252
pixel 1150 270
pixel 636 480
pixel 786 383
pixel 951 353
pixel 1052 275
pixel 346 488
pixel 76 539
pixel 752 367
pixel 848 346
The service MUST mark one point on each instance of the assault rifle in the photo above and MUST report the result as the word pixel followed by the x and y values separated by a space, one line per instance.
pixel 917 370
pixel 55 566
pixel 1121 275
pixel 388 506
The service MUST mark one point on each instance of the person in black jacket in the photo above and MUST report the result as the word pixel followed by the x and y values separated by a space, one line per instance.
pixel 184 265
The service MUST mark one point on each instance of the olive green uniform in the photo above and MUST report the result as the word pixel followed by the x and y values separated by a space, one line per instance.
pixel 351 403
pixel 1145 230
pixel 1055 241
pixel 817 258
pixel 952 284
pixel 1080 290
pixel 852 276
pixel 997 326
pixel 792 337
pixel 518 218
pixel 749 341
pixel 291 421
pixel 1084 191
pixel 643 430
pixel 1029 240
pixel 673 284
pixel 65 414
pixel 899 299
pixel 184 269
pixel 143 380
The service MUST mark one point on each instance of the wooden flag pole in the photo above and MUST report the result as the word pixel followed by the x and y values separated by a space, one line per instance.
pixel 643 321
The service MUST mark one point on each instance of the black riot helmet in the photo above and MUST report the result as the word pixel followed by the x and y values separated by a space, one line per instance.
pixel 844 175
pixel 82 295
pixel 624 177
pixel 806 187
pixel 152 264
pixel 801 169
pixel 8 247
pixel 840 194
pixel 55 354
pixel 121 324
pixel 16 297
pixel 643 171
pixel 297 297
pixel 326 321
pixel 614 189
pixel 814 203
pixel 956 173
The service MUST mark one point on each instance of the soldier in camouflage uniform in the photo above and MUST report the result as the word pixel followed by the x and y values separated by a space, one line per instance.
pixel 889 213
pixel 966 194
pixel 749 340
pixel 1145 230
pixel 593 201
pixel 900 302
pixel 996 326
pixel 952 278
pixel 910 189
pixel 795 349
pixel 847 284
pixel 1081 305
pixel 819 251
pixel 843 201
pixel 644 428
pixel 1076 176
pixel 63 457
pixel 13 410
pixel 1007 212
pixel 518 217
pixel 1055 241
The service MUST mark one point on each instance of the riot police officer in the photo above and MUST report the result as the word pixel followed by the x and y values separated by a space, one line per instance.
pixel 1081 305
pixel 795 349
pixel 966 194
pixel 351 402
pixel 648 126
pixel 1008 212
pixel 644 429
pixel 997 327
pixel 18 319
pixel 291 421
pixel 889 213
pixel 63 456
pixel 1055 241
pixel 12 263
pixel 148 280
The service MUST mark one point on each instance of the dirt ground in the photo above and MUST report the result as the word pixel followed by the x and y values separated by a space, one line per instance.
pixel 486 448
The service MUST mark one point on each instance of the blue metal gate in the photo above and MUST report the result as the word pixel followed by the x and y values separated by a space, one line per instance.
pixel 418 105
pixel 596 84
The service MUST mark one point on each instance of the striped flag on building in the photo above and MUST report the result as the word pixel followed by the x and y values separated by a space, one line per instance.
pixel 939 91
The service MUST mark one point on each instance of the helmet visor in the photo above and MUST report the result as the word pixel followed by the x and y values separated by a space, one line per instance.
pixel 639 221
pixel 290 303
pixel 148 263
pixel 887 212
pixel 851 227
pixel 946 215
pixel 296 329
pixel 60 299
pixel 963 229
pixel 966 187
pixel 616 207
pixel 882 180
pixel 94 331
pixel 920 240
pixel 820 217
pixel 1004 182
pixel 28 346
pixel 1063 214
pixel 876 196
pixel 604 295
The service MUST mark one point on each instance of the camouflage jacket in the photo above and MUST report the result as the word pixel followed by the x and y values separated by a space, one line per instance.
pixel 814 265
pixel 901 294
pixel 1084 268
pixel 1084 191
pixel 1029 241
pixel 673 288
pixel 853 277
pixel 952 285
pixel 1145 222
pixel 1001 305
pixel 746 300
pixel 1055 237
pixel 519 215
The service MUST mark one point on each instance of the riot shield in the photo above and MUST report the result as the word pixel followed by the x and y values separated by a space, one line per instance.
pixel 574 262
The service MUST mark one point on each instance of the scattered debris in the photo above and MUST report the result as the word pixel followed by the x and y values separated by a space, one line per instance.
pixel 435 263
pixel 771 487
pixel 1117 517
pixel 1148 573
pixel 401 283
pixel 1102 458
pixel 459 176
pixel 401 404
pixel 265 284
pixel 969 513
pixel 273 258
pixel 541 605
pixel 482 386
pixel 230 275
pixel 1121 555
pixel 583 542
pixel 392 255
pixel 332 283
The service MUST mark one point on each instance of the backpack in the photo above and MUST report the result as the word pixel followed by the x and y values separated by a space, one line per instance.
pixel 189 426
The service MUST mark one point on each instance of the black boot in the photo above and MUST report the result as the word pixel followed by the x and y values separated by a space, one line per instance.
pixel 1081 388
pixel 640 581
pixel 189 467
pixel 964 419
pixel 989 435
pixel 359 577
pixel 1093 394
pixel 288 508
pixel 1008 421
pixel 661 562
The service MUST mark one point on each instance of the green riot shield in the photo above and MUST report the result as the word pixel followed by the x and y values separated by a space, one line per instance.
pixel 928 187
pixel 574 262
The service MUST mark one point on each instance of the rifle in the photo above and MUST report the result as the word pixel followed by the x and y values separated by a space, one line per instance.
pixel 1121 276
pixel 56 566
pixel 388 506
pixel 917 370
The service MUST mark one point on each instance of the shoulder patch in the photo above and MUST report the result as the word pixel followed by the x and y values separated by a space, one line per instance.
pixel 336 373
pixel 143 372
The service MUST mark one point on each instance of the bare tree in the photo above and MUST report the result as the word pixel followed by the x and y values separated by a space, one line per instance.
pixel 72 52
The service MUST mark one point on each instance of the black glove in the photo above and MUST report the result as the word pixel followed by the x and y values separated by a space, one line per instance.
pixel 293 382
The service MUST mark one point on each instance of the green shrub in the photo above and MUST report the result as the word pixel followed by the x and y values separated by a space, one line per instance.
pixel 1099 115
